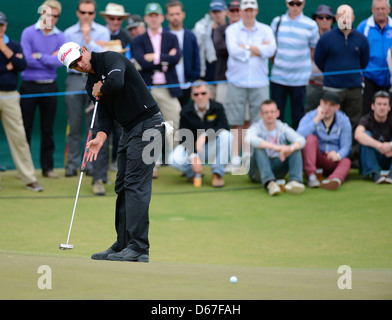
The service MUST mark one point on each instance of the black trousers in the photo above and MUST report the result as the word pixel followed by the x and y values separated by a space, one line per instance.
pixel 137 153
pixel 47 110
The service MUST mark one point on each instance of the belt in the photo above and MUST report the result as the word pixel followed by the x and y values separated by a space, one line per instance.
pixel 43 81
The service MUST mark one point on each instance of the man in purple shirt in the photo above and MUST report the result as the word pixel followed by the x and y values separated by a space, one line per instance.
pixel 40 43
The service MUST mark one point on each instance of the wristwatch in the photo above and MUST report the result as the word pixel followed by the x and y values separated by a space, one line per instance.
pixel 247 47
pixel 38 55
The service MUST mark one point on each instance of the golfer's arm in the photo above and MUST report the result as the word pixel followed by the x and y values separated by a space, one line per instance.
pixel 101 137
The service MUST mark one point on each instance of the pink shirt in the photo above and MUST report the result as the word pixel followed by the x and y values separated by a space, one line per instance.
pixel 156 41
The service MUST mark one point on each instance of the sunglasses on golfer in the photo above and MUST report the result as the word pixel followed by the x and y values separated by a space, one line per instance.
pixel 292 4
pixel 75 62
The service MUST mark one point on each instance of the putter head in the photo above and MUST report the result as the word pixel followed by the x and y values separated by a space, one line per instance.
pixel 65 246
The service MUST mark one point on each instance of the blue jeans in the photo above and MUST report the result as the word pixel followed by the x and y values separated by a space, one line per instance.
pixel 264 169
pixel 216 153
pixel 372 161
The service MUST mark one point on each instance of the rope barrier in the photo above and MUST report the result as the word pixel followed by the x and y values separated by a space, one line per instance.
pixel 66 93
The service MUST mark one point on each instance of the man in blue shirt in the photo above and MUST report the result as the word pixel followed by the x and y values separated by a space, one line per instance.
pixel 378 30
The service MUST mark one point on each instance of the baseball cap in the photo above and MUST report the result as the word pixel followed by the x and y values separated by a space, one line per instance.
pixel 134 21
pixel 249 4
pixel 3 18
pixel 233 4
pixel 68 53
pixel 331 96
pixel 153 7
pixel 217 5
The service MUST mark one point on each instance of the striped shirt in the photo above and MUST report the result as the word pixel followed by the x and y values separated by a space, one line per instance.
pixel 293 64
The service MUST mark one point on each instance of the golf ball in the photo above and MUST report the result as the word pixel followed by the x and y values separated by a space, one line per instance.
pixel 233 279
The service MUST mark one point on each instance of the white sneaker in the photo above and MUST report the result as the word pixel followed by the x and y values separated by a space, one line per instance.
pixel 235 164
pixel 273 188
pixel 294 187
pixel 313 182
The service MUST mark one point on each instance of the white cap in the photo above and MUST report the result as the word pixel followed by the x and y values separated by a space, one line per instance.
pixel 249 4
pixel 68 53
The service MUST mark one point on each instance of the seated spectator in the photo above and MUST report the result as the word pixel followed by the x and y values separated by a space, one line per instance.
pixel 328 142
pixel 207 124
pixel 276 151
pixel 374 134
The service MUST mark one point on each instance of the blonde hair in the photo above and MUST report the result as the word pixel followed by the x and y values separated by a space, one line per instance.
pixel 53 4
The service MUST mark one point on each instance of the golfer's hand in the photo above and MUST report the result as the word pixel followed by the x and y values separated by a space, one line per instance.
pixel 93 146
pixel 97 89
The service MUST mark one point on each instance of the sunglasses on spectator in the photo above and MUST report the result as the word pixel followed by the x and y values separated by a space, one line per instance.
pixel 234 10
pixel 87 12
pixel 324 17
pixel 75 62
pixel 292 4
pixel 381 93
pixel 196 94
pixel 116 18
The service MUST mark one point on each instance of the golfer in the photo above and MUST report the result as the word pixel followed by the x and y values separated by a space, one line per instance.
pixel 124 97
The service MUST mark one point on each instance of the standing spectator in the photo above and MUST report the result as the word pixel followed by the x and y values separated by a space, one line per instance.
pixel 296 37
pixel 276 151
pixel 328 142
pixel 157 52
pixel 250 44
pixel 92 35
pixel 204 31
pixel 114 15
pixel 222 54
pixel 374 133
pixel 344 49
pixel 188 68
pixel 13 61
pixel 40 43
pixel 325 18
pixel 378 30
pixel 206 119
pixel 135 26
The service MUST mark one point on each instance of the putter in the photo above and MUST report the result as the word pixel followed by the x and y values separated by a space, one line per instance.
pixel 67 246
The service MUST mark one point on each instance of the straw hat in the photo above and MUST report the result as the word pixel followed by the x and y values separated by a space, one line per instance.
pixel 114 45
pixel 113 9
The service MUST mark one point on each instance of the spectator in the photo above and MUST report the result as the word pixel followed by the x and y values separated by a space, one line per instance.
pixel 328 142
pixel 206 120
pixel 344 49
pixel 292 64
pixel 377 29
pixel 188 68
pixel 374 133
pixel 325 18
pixel 276 151
pixel 114 15
pixel 250 44
pixel 204 31
pixel 13 61
pixel 92 35
pixel 135 26
pixel 222 55
pixel 157 52
pixel 40 43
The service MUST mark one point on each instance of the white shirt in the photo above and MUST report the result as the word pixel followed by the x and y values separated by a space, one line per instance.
pixel 242 69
